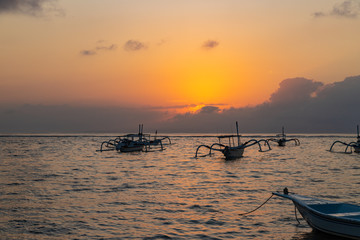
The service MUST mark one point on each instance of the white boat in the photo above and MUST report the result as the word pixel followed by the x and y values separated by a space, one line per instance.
pixel 233 148
pixel 340 219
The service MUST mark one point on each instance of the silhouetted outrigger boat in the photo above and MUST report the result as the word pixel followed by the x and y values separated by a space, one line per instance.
pixel 135 143
pixel 352 145
pixel 234 148
pixel 281 139
pixel 340 219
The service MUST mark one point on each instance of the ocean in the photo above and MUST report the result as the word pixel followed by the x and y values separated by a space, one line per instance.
pixel 60 187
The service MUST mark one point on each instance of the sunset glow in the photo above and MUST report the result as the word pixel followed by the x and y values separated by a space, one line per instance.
pixel 169 54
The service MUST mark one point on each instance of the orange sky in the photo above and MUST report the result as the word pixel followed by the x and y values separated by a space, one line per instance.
pixel 172 53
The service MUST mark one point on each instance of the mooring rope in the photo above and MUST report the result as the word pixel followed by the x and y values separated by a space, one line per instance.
pixel 241 214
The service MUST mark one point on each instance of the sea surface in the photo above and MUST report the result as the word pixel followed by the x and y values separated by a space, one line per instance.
pixel 60 187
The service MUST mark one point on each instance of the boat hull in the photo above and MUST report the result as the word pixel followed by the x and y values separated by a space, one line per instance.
pixel 357 149
pixel 233 153
pixel 130 146
pixel 331 217
pixel 132 149
pixel 333 226
pixel 282 143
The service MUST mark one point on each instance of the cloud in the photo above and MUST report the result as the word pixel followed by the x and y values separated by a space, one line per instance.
pixel 319 14
pixel 295 90
pixel 209 109
pixel 134 45
pixel 210 44
pixel 107 48
pixel 87 52
pixel 30 7
pixel 347 9
pixel 294 105
pixel 97 49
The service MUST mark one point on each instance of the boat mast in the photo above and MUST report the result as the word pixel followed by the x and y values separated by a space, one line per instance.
pixel 141 128
pixel 283 132
pixel 237 133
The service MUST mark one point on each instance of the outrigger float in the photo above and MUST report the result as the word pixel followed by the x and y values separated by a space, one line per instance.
pixel 233 150
pixel 281 139
pixel 135 142
pixel 339 219
pixel 349 146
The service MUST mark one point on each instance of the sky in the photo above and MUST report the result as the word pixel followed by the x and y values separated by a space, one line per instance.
pixel 92 66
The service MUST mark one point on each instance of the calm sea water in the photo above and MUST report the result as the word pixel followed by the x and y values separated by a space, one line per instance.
pixel 59 187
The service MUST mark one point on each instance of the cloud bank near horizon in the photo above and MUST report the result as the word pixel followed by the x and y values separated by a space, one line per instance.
pixel 301 105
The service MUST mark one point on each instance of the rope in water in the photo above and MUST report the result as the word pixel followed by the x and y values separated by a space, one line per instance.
pixel 241 214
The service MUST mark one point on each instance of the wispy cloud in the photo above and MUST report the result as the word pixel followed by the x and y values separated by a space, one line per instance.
pixel 87 52
pixel 30 7
pixel 346 9
pixel 210 44
pixel 134 45
pixel 107 48
pixel 100 47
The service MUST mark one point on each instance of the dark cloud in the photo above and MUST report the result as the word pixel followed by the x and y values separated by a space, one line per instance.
pixel 295 90
pixel 209 109
pixel 210 44
pixel 347 9
pixel 29 7
pixel 332 109
pixel 134 45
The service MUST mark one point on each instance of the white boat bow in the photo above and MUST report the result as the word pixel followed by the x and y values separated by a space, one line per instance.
pixel 340 219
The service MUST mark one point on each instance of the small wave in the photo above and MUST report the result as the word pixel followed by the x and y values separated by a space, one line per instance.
pixel 121 188
pixel 316 180
pixel 112 178
pixel 118 203
pixel 79 189
pixel 206 237
pixel 158 236
pixel 215 222
pixel 15 184
pixel 39 180
pixel 203 209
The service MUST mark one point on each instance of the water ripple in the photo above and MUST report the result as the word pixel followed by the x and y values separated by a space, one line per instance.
pixel 55 188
